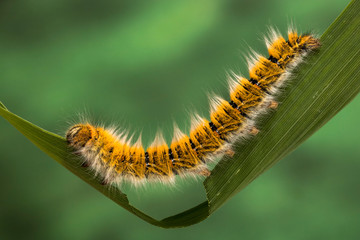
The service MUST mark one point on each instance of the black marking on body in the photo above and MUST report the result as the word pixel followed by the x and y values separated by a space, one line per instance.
pixel 238 108
pixel 255 82
pixel 213 127
pixel 216 130
pixel 273 59
pixel 147 160
pixel 240 99
pixel 234 105
pixel 192 145
pixel 171 156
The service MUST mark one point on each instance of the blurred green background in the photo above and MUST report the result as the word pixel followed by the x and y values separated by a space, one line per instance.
pixel 142 65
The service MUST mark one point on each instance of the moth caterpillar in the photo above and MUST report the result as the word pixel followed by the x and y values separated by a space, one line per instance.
pixel 116 159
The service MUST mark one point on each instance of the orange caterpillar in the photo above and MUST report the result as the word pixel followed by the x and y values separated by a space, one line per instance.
pixel 115 159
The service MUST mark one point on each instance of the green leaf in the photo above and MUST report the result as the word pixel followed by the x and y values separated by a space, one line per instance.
pixel 322 87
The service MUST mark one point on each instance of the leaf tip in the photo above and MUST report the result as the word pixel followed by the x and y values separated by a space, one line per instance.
pixel 3 106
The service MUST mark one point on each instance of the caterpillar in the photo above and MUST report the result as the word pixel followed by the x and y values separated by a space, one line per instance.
pixel 112 155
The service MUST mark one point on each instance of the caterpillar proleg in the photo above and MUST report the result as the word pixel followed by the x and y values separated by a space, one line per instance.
pixel 116 159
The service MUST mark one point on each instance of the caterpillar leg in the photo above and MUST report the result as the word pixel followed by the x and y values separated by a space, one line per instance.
pixel 204 171
pixel 229 152
pixel 273 104
pixel 254 131
pixel 85 165
pixel 104 182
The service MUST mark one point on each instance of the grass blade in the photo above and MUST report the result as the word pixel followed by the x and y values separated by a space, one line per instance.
pixel 323 86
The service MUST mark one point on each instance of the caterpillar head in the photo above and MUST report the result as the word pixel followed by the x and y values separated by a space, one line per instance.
pixel 78 135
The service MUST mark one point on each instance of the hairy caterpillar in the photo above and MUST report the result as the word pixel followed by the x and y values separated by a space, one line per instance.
pixel 113 157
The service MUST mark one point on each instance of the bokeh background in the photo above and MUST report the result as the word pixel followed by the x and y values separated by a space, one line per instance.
pixel 142 65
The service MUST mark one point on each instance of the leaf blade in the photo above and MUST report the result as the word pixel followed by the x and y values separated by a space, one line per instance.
pixel 322 88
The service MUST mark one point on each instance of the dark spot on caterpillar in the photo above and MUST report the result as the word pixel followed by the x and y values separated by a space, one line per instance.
pixel 253 81
pixel 272 59
pixel 192 144
pixel 147 160
pixel 171 157
pixel 233 105
pixel 288 42
pixel 213 127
